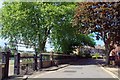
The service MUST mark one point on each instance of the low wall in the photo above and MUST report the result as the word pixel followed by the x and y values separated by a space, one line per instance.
pixel 65 61
pixel 49 63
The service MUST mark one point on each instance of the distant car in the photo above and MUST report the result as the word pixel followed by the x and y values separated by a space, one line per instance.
pixel 93 56
pixel 97 57
pixel 100 57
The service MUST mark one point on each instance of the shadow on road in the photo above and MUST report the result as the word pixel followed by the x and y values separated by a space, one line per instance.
pixel 87 62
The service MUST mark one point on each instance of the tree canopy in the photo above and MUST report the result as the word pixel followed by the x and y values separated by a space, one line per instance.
pixel 102 18
pixel 32 23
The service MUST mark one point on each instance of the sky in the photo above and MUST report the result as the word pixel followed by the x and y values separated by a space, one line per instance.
pixel 1 3
pixel 48 46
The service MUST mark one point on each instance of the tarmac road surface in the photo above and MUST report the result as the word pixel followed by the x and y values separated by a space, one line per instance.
pixel 83 68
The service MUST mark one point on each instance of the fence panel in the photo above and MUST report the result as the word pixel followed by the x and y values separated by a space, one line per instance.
pixel 46 62
pixel 26 65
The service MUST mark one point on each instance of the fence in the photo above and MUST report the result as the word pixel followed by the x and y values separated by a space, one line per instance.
pixel 25 64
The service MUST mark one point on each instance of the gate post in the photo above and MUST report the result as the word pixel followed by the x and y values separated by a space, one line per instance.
pixel 40 61
pixel 7 64
pixel 3 65
pixel 35 62
pixel 17 64
pixel 51 59
pixel 5 59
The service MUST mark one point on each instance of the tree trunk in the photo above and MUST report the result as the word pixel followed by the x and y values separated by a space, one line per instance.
pixel 107 49
pixel 107 54
pixel 35 59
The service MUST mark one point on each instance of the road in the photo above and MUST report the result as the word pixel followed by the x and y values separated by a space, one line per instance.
pixel 83 68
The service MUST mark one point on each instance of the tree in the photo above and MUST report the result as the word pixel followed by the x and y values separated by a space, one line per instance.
pixel 32 23
pixel 64 35
pixel 21 23
pixel 102 18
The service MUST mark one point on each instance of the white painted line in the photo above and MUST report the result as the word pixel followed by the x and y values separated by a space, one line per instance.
pixel 113 75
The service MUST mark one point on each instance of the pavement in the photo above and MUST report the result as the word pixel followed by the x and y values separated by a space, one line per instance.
pixel 113 70
pixel 42 71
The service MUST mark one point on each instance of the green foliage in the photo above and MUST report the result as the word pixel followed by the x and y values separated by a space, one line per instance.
pixel 20 23
pixel 32 23
pixel 64 36
pixel 63 32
